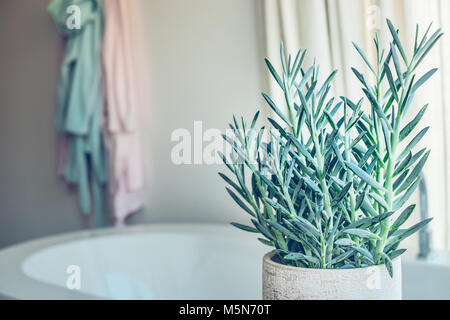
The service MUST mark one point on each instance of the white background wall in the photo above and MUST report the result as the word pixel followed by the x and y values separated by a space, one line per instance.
pixel 200 60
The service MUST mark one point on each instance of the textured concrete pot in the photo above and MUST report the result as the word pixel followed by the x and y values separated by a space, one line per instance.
pixel 282 282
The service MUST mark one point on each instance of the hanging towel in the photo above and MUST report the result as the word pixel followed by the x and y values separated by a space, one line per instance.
pixel 121 112
pixel 80 101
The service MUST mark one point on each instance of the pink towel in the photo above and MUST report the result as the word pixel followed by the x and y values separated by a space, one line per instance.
pixel 120 120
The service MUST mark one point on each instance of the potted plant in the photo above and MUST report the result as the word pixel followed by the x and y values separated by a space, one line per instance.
pixel 327 188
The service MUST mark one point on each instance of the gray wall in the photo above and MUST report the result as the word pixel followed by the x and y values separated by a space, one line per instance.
pixel 33 201
pixel 201 60
pixel 202 63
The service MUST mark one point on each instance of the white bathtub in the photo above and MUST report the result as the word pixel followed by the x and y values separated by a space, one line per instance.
pixel 185 261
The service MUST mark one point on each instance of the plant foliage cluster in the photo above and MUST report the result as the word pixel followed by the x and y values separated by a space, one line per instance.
pixel 328 188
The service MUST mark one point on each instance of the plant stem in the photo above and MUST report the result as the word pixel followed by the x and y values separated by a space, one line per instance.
pixel 324 189
pixel 389 194
pixel 322 255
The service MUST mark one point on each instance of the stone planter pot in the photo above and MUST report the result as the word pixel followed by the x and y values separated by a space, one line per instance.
pixel 281 282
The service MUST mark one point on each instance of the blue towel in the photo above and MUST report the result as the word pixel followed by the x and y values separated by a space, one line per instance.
pixel 80 100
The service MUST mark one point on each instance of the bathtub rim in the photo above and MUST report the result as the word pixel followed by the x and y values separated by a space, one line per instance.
pixel 13 280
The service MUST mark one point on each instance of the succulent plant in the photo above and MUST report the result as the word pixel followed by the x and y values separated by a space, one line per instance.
pixel 327 187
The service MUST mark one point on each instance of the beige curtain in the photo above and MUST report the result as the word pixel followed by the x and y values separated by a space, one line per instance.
pixel 326 28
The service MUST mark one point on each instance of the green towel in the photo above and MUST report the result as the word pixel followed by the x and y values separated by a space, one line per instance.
pixel 80 101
